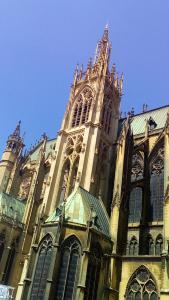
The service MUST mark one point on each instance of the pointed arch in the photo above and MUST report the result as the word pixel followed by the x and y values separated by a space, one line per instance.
pixel 137 170
pixel 42 268
pixel 159 244
pixel 81 107
pixel 141 285
pixel 68 270
pixel 133 246
pixel 150 245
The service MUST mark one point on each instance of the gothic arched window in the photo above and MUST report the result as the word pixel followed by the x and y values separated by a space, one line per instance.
pixel 93 274
pixel 141 286
pixel 159 245
pixel 9 262
pixel 133 246
pixel 150 245
pixel 135 205
pixel 42 269
pixel 67 279
pixel 157 187
pixel 82 107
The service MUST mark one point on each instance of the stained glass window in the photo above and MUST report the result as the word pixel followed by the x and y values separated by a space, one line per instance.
pixel 42 269
pixel 135 205
pixel 93 274
pixel 70 255
pixel 141 286
pixel 157 187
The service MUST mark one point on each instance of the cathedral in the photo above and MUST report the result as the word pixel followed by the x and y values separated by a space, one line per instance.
pixel 85 216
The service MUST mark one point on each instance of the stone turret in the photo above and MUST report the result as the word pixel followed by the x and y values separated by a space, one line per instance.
pixel 10 155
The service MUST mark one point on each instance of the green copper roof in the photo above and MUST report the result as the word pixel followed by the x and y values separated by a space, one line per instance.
pixel 81 207
pixel 138 122
pixel 11 208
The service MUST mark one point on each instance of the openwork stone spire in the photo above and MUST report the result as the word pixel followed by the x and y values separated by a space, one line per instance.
pixel 15 141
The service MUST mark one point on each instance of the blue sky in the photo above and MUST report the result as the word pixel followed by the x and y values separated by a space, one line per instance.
pixel 42 40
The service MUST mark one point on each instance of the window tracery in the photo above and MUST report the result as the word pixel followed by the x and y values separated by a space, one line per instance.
pixel 82 107
pixel 141 286
pixel 70 175
pixel 157 186
pixel 137 167
pixel 42 269
pixel 67 279
pixel 133 246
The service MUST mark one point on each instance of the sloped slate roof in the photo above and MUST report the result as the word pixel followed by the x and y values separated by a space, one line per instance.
pixel 49 146
pixel 11 208
pixel 138 122
pixel 80 207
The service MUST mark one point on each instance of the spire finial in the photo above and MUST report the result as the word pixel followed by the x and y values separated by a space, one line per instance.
pixel 106 33
pixel 15 141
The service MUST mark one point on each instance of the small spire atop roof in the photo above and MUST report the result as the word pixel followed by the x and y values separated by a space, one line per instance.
pixel 15 141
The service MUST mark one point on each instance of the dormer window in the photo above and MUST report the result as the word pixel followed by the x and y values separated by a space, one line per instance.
pixel 152 124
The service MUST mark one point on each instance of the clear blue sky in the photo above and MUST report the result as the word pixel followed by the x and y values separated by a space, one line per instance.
pixel 42 40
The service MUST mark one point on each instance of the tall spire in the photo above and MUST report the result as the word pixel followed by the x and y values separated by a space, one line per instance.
pixel 15 142
pixel 103 47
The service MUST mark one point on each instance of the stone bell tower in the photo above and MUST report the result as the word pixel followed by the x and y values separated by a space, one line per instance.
pixel 10 155
pixel 89 129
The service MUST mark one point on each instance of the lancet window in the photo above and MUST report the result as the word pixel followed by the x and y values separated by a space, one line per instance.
pixel 2 241
pixel 42 269
pixel 69 267
pixel 157 186
pixel 141 286
pixel 82 107
pixel 150 245
pixel 133 246
pixel 93 274
pixel 107 115
pixel 9 262
pixel 135 205
pixel 69 174
pixel 101 168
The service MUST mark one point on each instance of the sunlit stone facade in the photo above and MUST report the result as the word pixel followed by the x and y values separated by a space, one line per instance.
pixel 86 214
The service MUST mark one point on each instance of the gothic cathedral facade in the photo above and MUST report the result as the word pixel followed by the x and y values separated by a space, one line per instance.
pixel 86 215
